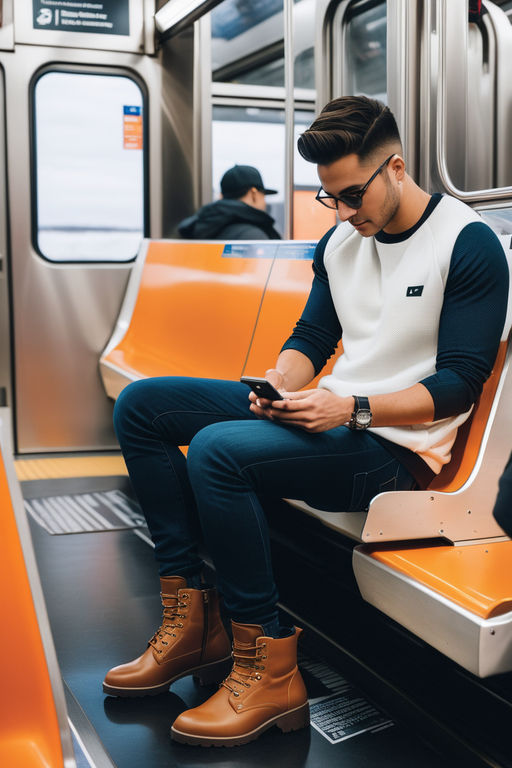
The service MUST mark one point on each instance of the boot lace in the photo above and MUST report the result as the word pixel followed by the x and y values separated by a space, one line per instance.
pixel 243 667
pixel 172 606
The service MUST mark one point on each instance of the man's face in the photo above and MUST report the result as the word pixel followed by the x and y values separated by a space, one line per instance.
pixel 259 200
pixel 380 201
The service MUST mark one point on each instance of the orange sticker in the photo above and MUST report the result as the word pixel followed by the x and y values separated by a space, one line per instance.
pixel 132 128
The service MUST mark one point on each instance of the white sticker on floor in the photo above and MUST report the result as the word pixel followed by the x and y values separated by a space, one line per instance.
pixel 345 714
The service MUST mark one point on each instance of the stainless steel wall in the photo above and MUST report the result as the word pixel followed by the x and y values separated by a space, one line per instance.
pixel 63 314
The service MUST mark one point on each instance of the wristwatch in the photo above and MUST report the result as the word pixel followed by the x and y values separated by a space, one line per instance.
pixel 362 416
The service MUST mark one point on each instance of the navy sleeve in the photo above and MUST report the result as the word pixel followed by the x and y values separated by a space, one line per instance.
pixel 318 331
pixel 471 322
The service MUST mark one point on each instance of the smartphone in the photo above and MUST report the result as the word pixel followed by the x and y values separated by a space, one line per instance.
pixel 262 387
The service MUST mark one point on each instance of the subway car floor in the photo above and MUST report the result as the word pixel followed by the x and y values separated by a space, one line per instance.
pixel 102 594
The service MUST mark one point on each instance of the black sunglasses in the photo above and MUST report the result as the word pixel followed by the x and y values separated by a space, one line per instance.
pixel 353 199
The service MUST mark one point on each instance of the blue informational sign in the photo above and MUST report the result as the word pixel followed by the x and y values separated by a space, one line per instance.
pixel 271 250
pixel 105 17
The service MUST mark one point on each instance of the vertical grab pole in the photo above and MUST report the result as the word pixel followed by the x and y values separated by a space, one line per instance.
pixel 289 117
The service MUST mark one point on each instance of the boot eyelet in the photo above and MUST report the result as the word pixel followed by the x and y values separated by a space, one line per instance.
pixel 235 693
pixel 263 657
pixel 184 596
pixel 262 666
pixel 258 677
pixel 180 625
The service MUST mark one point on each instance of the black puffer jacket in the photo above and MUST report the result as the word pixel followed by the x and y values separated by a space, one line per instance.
pixel 229 220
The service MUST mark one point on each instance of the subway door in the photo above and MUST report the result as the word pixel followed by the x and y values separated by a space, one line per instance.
pixel 78 211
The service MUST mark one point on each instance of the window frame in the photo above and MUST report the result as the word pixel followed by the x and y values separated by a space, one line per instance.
pixel 86 70
pixel 443 23
pixel 343 14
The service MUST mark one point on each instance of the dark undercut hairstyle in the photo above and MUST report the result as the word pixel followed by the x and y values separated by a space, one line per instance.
pixel 349 125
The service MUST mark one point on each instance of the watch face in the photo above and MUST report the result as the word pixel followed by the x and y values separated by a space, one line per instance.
pixel 363 418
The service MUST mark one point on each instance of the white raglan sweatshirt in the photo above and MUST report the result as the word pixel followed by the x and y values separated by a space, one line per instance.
pixel 388 298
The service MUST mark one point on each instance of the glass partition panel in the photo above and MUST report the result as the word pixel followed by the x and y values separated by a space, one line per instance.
pixel 251 136
pixel 311 219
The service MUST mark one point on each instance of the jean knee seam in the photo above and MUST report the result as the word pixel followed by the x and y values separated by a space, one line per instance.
pixel 264 540
pixel 196 413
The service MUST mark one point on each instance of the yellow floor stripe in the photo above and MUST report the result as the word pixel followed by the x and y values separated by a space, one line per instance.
pixel 77 466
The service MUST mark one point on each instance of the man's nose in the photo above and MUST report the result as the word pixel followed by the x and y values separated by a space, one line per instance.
pixel 345 211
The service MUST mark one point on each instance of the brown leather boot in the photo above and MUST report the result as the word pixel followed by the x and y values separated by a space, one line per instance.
pixel 191 640
pixel 264 688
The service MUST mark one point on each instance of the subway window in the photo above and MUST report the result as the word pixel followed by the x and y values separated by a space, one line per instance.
pixel 478 95
pixel 365 39
pixel 88 166
pixel 248 42
pixel 239 136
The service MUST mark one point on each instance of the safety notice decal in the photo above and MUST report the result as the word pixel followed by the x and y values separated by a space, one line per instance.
pixel 132 127
pixel 108 17
pixel 338 710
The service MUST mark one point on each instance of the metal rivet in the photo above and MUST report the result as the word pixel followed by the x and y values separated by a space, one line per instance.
pixel 441 530
pixel 469 511
pixel 493 631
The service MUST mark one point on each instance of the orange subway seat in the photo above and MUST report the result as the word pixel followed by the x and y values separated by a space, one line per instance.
pixel 179 324
pixel 284 299
pixel 469 437
pixel 29 728
pixel 477 577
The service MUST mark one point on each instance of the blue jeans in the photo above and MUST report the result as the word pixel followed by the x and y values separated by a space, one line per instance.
pixel 233 458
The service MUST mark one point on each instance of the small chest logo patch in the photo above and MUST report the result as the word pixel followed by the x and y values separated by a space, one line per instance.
pixel 414 290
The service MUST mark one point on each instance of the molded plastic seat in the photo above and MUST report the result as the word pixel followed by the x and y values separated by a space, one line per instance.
pixel 213 310
pixel 33 717
pixel 458 599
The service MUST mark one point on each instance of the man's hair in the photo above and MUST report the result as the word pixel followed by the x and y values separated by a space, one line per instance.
pixel 351 124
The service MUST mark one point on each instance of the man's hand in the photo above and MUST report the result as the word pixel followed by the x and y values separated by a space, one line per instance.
pixel 259 405
pixel 314 410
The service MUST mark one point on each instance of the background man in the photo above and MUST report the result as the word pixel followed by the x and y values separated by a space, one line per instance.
pixel 239 215
pixel 417 286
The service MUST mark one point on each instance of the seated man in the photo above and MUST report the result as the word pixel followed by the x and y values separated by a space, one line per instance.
pixel 419 285
pixel 239 215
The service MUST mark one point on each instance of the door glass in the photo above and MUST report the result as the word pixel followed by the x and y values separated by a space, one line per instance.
pixel 89 167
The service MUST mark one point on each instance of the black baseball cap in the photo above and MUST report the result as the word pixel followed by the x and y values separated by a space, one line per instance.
pixel 239 179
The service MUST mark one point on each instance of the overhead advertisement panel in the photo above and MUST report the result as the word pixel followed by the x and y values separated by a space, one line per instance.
pixel 110 17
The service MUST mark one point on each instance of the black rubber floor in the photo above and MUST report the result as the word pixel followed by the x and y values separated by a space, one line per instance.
pixel 102 594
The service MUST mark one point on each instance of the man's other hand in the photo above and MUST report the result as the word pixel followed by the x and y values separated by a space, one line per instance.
pixel 314 410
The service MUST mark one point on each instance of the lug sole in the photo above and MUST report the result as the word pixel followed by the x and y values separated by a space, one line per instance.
pixel 293 720
pixel 207 674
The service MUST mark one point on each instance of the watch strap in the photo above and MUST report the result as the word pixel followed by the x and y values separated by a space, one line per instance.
pixel 361 403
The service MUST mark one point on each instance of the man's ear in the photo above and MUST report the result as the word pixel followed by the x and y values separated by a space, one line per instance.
pixel 397 166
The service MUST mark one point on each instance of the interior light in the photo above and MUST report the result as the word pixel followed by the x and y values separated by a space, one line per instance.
pixel 176 14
